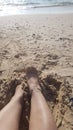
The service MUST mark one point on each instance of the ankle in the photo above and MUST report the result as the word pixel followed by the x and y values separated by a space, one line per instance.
pixel 35 90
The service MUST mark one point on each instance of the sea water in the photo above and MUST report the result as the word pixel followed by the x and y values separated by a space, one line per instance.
pixel 14 7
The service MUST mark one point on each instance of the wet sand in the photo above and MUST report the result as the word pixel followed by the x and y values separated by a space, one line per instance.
pixel 45 42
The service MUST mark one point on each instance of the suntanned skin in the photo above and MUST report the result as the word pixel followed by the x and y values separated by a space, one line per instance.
pixel 10 114
pixel 40 115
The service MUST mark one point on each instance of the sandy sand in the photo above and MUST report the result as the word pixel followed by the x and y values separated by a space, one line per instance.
pixel 45 42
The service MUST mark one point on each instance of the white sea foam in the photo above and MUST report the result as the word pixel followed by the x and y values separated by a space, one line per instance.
pixel 11 7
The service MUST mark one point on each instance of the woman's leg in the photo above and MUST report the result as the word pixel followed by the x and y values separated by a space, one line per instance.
pixel 10 114
pixel 40 116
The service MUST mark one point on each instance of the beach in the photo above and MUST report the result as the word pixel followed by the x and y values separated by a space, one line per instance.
pixel 44 41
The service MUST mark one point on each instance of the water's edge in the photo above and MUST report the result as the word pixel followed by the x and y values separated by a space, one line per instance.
pixel 17 7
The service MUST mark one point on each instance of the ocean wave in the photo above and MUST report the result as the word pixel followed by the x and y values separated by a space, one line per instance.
pixel 37 5
pixel 52 5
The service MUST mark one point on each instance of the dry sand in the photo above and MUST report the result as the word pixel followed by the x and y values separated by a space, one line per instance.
pixel 45 42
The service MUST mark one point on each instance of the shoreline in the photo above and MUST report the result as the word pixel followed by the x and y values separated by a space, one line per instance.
pixel 8 11
pixel 50 15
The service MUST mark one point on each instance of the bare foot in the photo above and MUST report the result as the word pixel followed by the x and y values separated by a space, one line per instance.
pixel 18 93
pixel 32 78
